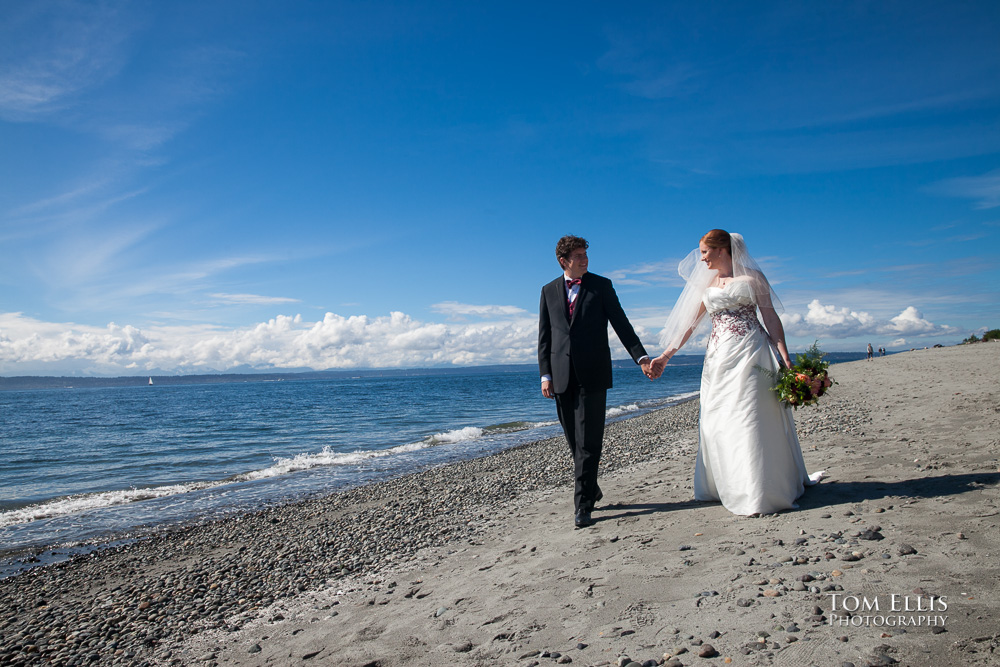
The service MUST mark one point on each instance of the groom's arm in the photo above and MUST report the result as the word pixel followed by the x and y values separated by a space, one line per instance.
pixel 623 328
pixel 545 347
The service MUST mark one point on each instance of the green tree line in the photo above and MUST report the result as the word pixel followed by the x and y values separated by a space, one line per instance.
pixel 992 334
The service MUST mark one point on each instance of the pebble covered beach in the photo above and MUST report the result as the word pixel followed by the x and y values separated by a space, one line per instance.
pixel 478 563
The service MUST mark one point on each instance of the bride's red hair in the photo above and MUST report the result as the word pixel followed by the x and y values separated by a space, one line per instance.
pixel 718 238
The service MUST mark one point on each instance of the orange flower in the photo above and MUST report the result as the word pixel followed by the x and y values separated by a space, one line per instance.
pixel 801 377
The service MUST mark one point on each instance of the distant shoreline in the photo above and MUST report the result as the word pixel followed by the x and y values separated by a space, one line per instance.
pixel 30 382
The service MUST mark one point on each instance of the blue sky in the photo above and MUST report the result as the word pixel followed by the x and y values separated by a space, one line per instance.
pixel 193 187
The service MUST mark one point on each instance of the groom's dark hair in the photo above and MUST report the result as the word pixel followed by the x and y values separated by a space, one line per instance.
pixel 568 244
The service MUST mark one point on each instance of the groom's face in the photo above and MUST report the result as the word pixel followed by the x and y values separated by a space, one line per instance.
pixel 576 264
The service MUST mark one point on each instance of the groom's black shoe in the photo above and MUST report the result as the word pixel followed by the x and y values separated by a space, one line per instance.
pixel 583 519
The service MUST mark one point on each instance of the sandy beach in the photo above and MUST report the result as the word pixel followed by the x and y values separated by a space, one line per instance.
pixel 892 559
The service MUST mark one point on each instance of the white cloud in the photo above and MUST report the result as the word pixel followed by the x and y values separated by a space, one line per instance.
pixel 984 189
pixel 72 47
pixel 31 346
pixel 911 322
pixel 457 310
pixel 834 322
pixel 29 340
pixel 252 299
pixel 396 340
pixel 659 273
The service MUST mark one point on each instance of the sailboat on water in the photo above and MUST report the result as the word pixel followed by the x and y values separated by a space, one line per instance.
pixel 150 380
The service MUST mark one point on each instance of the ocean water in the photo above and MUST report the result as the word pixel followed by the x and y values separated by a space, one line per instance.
pixel 81 466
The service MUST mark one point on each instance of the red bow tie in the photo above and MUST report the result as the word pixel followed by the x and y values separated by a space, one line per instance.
pixel 570 301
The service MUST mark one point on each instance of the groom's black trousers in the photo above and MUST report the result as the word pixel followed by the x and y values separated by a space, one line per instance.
pixel 582 413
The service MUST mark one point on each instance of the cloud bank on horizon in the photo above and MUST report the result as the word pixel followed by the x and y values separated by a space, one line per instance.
pixel 337 342
pixel 191 188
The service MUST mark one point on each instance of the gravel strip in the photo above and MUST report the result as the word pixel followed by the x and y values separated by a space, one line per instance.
pixel 129 604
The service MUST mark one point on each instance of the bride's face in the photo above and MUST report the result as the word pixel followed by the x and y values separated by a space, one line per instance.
pixel 714 258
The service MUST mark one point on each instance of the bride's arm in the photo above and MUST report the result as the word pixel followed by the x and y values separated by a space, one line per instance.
pixel 775 331
pixel 665 357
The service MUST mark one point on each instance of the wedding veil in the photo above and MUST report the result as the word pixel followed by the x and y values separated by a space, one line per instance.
pixel 744 267
pixel 687 314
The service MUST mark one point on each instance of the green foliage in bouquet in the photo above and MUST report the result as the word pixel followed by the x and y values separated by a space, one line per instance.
pixel 804 382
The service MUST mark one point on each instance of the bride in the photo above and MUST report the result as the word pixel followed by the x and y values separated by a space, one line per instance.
pixel 748 455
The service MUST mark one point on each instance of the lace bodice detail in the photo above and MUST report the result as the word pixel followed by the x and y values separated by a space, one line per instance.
pixel 732 310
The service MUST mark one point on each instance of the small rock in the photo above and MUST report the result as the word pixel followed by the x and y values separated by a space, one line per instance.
pixel 254 649
pixel 905 550
pixel 707 651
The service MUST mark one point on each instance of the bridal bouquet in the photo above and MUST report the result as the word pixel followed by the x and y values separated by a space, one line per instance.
pixel 805 382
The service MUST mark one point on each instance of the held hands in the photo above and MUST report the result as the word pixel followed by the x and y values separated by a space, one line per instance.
pixel 657 365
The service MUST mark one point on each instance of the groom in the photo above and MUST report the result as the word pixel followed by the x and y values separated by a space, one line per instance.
pixel 575 361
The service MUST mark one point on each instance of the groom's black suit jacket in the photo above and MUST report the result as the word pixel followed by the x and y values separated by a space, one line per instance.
pixel 582 341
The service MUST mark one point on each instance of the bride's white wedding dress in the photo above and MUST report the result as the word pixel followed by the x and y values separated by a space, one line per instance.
pixel 749 455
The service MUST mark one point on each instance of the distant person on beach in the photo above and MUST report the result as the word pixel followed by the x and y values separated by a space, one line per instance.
pixel 749 456
pixel 870 352
pixel 574 360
